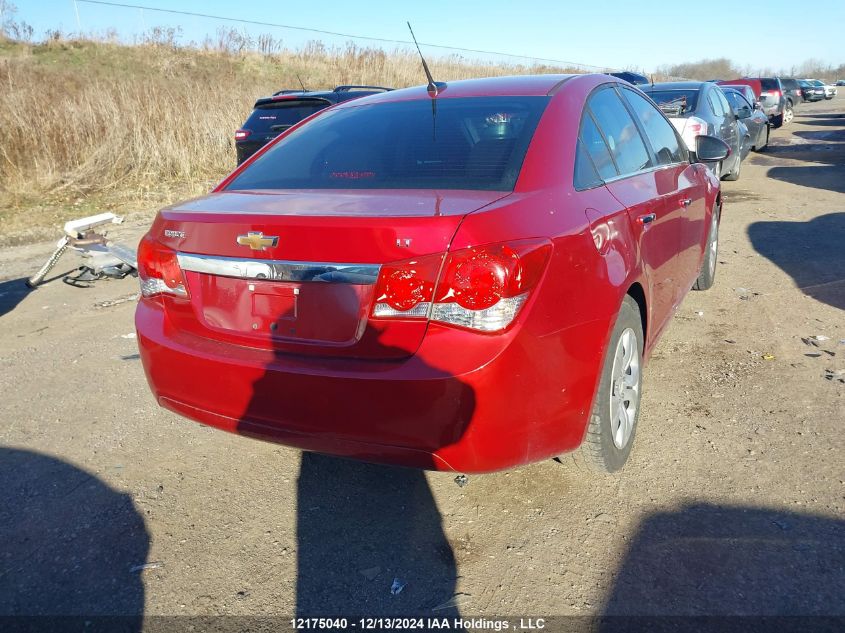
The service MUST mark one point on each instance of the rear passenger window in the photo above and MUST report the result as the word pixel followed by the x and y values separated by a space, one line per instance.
pixel 664 141
pixel 590 139
pixel 623 138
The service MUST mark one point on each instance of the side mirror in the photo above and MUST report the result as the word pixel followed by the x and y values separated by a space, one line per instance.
pixel 709 149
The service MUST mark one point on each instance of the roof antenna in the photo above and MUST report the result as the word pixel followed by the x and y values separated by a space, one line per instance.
pixel 302 85
pixel 433 86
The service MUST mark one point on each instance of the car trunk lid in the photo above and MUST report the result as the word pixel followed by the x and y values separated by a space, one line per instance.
pixel 295 271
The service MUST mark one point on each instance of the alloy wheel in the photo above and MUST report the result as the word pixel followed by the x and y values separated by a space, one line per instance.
pixel 625 388
pixel 788 115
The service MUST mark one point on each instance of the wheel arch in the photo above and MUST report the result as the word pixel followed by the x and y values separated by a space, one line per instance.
pixel 637 293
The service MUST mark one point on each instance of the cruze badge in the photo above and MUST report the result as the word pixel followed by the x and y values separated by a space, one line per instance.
pixel 257 241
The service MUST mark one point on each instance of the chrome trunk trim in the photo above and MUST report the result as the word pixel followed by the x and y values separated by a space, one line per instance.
pixel 273 270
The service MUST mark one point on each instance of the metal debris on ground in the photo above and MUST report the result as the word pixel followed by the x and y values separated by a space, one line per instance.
pixel 461 480
pixel 103 257
pixel 130 335
pixel 397 586
pixel 768 356
pixel 145 566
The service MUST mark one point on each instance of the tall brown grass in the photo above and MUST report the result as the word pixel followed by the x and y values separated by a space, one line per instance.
pixel 87 117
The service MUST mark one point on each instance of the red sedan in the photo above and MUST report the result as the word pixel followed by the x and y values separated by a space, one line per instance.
pixel 466 281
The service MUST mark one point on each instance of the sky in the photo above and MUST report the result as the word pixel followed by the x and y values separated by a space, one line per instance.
pixel 611 34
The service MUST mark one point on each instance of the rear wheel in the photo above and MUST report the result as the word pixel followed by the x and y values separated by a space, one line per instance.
pixel 613 421
pixel 707 274
pixel 788 114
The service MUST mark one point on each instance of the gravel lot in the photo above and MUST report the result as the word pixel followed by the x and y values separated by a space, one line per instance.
pixel 732 502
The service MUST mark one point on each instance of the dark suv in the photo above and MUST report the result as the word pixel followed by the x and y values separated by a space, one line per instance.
pixel 273 115
pixel 792 91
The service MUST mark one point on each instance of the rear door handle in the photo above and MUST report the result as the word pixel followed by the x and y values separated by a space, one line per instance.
pixel 685 202
pixel 646 219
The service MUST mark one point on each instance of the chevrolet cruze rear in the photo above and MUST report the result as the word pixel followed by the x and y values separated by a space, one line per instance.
pixel 465 282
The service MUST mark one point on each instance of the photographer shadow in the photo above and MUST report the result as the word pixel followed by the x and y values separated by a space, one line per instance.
pixel 370 537
pixel 69 546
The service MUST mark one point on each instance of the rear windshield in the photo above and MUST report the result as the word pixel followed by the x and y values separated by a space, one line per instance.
pixel 462 143
pixel 769 84
pixel 279 116
pixel 674 102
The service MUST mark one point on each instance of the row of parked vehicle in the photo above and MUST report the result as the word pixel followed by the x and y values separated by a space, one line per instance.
pixel 742 111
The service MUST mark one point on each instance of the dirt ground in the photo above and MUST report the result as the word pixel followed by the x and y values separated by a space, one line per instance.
pixel 732 502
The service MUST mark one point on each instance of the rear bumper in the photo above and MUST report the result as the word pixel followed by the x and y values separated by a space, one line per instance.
pixel 499 402
pixel 245 150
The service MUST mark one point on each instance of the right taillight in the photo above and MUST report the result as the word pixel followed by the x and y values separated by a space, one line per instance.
pixel 693 127
pixel 242 134
pixel 480 288
pixel 159 271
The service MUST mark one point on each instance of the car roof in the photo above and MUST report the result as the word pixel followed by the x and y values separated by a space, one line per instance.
pixel 512 86
pixel 676 85
pixel 336 95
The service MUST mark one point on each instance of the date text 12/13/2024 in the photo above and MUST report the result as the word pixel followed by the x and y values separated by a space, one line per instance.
pixel 406 624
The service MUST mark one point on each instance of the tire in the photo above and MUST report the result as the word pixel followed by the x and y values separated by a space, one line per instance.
pixel 707 274
pixel 610 435
pixel 788 114
pixel 777 121
pixel 733 174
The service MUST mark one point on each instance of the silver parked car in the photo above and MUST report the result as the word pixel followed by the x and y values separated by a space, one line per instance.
pixel 700 107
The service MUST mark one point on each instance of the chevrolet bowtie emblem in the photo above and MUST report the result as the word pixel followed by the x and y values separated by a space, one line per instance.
pixel 256 240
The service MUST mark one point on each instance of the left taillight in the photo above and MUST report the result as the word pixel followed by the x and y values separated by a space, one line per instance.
pixel 242 134
pixel 159 271
pixel 480 288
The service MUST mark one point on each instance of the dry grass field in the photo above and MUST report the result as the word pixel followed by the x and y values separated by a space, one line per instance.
pixel 89 125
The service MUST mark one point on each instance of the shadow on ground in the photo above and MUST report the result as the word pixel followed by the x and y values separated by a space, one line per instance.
pixel 812 253
pixel 360 527
pixel 716 561
pixel 12 292
pixel 830 177
pixel 68 544
pixel 823 120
